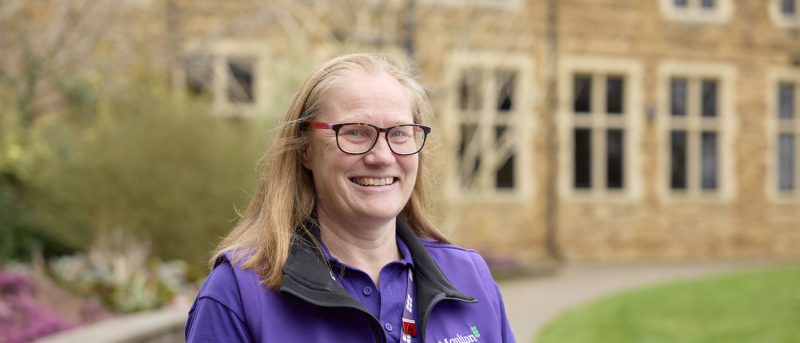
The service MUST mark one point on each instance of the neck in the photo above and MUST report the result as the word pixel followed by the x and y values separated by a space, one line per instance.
pixel 366 247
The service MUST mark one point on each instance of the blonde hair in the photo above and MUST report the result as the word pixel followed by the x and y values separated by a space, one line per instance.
pixel 284 198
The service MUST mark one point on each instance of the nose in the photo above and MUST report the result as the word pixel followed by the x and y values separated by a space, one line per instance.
pixel 380 153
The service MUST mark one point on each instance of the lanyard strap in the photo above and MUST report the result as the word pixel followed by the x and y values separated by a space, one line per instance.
pixel 409 325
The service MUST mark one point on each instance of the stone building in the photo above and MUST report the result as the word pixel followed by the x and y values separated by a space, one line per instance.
pixel 585 129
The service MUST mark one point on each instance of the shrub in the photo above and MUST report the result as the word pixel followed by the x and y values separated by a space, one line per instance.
pixel 162 170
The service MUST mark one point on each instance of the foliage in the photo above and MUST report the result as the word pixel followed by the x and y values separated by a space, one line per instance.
pixel 756 306
pixel 161 169
pixel 21 318
pixel 119 273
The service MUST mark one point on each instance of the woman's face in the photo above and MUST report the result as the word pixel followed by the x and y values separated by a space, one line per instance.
pixel 375 185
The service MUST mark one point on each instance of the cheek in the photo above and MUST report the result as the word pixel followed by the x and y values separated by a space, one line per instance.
pixel 411 168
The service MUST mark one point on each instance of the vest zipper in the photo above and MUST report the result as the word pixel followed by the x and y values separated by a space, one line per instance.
pixel 436 299
pixel 377 329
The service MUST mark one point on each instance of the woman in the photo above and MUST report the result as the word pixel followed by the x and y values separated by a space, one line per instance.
pixel 336 245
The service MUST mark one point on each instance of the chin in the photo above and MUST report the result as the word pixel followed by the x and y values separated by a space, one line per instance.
pixel 381 213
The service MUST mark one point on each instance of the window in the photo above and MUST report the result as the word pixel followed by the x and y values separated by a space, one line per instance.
pixel 600 127
pixel 695 127
pixel 699 11
pixel 788 7
pixel 787 131
pixel 491 142
pixel 784 13
pixel 197 69
pixel 610 136
pixel 240 80
pixel 487 107
pixel 686 134
pixel 229 74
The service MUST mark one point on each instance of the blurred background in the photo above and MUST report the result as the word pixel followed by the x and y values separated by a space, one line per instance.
pixel 574 132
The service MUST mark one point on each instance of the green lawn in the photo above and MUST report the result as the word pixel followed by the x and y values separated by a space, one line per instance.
pixel 755 306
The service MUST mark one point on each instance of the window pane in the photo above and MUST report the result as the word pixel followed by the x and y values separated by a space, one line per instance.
pixel 469 140
pixel 583 158
pixel 614 95
pixel 786 162
pixel 709 96
pixel 615 158
pixel 681 3
pixel 678 97
pixel 240 83
pixel 785 100
pixel 469 91
pixel 506 80
pixel 709 161
pixel 678 159
pixel 582 92
pixel 707 3
pixel 198 73
pixel 788 7
pixel 504 178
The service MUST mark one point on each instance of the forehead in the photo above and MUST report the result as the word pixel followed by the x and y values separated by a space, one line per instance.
pixel 369 97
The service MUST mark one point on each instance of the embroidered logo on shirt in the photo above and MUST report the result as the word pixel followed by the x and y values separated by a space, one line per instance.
pixel 463 339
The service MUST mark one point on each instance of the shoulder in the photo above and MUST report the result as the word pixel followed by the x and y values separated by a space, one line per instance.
pixel 451 258
pixel 217 313
pixel 438 250
pixel 221 287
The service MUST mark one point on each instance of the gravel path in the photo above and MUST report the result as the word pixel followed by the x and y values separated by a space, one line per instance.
pixel 533 302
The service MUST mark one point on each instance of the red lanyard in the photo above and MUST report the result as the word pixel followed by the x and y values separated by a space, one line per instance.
pixel 409 325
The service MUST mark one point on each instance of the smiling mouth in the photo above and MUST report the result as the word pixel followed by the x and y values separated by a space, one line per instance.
pixel 368 181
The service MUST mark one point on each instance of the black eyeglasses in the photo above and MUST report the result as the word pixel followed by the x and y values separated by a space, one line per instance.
pixel 360 138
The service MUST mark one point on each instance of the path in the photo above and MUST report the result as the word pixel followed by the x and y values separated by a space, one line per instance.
pixel 531 303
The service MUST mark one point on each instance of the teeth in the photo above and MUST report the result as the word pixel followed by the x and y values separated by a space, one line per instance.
pixel 364 181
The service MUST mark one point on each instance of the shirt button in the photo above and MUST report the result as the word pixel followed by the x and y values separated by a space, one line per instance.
pixel 367 291
pixel 388 326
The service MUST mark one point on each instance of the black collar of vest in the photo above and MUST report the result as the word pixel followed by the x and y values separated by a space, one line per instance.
pixel 307 274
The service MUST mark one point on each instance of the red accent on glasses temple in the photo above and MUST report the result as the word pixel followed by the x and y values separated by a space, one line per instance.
pixel 319 125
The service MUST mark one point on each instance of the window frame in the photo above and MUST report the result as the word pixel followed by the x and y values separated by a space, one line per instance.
pixel 774 127
pixel 782 20
pixel 601 69
pixel 695 12
pixel 506 5
pixel 521 118
pixel 694 124
pixel 221 53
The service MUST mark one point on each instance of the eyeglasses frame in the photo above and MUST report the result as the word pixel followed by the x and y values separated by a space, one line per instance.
pixel 316 124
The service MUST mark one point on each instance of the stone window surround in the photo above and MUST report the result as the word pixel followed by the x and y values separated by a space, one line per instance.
pixel 522 117
pixel 632 72
pixel 726 126
pixel 780 19
pixel 774 76
pixel 694 13
pixel 220 51
pixel 490 4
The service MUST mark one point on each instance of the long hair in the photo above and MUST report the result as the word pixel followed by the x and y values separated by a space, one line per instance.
pixel 284 198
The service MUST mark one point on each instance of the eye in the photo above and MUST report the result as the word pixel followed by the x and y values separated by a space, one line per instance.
pixel 400 133
pixel 353 132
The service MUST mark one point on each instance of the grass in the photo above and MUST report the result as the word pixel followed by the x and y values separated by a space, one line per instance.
pixel 754 306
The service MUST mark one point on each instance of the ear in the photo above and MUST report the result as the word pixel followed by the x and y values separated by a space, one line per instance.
pixel 305 156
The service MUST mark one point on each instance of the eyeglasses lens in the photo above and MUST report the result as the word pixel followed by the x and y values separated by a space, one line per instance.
pixel 359 138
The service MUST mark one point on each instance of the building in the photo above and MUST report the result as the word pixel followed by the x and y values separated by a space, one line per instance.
pixel 606 130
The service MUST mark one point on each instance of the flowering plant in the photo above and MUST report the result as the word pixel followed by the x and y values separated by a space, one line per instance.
pixel 22 319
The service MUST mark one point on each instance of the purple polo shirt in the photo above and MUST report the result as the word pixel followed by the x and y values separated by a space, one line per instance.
pixel 386 300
